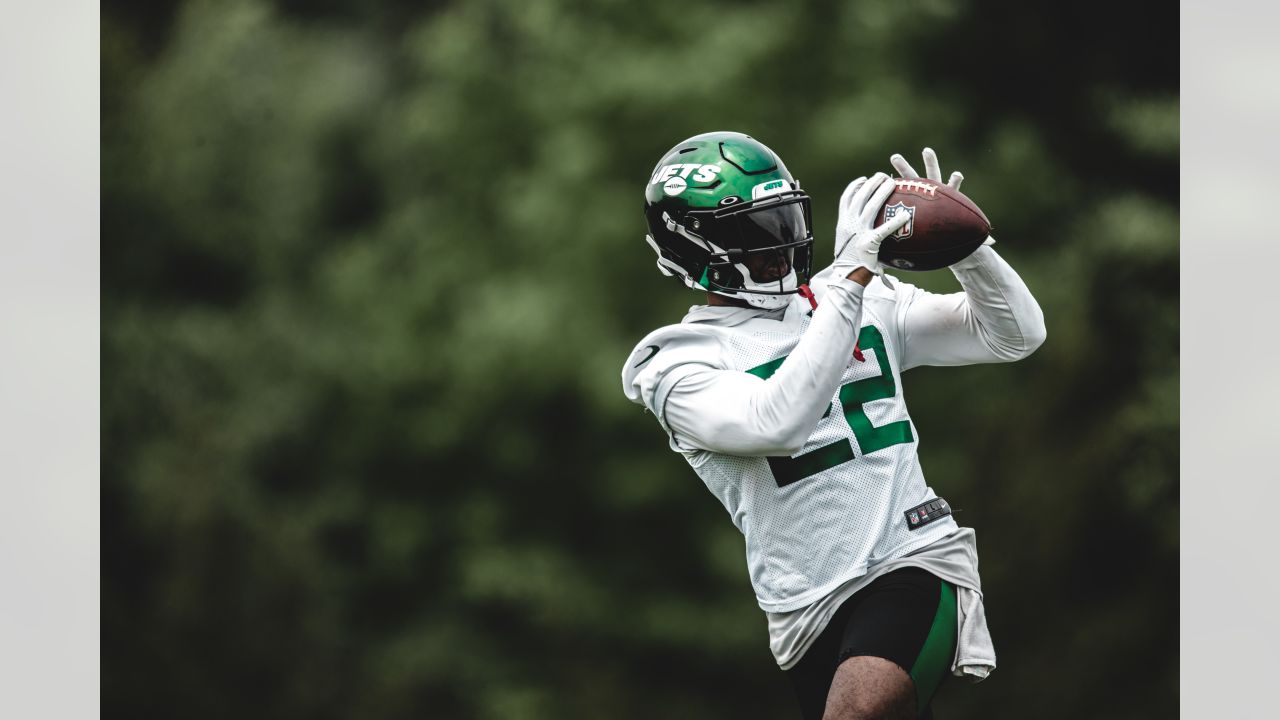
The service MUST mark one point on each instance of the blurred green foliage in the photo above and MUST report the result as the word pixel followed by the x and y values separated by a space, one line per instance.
pixel 370 273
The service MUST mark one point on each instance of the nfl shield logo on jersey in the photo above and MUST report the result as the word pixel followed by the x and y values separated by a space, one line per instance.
pixel 892 210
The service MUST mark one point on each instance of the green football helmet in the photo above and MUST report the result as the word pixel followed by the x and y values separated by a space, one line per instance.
pixel 724 215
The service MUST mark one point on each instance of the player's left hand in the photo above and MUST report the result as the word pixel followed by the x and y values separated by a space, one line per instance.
pixel 932 171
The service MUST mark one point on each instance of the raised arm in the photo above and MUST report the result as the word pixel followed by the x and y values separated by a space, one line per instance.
pixel 995 318
pixel 737 413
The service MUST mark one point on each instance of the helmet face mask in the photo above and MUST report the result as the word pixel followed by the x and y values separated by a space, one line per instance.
pixel 739 226
pixel 756 235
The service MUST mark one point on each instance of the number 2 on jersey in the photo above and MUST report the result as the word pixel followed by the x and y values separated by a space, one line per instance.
pixel 787 470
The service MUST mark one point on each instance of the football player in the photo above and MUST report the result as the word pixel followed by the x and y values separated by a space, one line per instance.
pixel 784 394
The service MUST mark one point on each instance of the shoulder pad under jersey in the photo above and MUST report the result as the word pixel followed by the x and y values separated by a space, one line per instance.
pixel 665 349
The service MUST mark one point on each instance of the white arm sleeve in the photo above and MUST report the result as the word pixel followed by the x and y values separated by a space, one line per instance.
pixel 736 413
pixel 995 319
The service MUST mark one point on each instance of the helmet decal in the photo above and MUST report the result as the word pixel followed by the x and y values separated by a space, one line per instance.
pixel 772 187
pixel 705 172
pixel 674 186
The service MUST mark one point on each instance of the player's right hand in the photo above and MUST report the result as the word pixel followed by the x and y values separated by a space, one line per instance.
pixel 857 239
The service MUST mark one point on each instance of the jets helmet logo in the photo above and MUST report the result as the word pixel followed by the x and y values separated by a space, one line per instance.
pixel 891 211
pixel 681 172
pixel 771 187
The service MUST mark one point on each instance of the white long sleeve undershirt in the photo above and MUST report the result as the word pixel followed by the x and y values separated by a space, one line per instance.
pixel 995 319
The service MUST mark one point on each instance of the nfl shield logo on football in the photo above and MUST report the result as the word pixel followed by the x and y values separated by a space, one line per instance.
pixel 891 211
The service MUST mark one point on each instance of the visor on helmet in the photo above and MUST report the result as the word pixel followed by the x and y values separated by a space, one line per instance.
pixel 764 237
pixel 769 227
pixel 768 236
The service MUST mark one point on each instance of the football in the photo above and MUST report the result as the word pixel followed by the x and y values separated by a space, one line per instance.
pixel 945 226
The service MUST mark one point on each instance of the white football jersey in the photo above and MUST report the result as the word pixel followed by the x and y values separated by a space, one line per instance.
pixel 821 516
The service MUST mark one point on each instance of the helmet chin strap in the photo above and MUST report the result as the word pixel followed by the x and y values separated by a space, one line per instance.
pixel 765 302
pixel 771 299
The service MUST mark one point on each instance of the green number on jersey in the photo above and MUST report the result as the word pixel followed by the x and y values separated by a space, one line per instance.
pixel 787 470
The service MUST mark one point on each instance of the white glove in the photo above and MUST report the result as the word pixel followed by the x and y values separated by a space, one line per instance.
pixel 857 240
pixel 932 171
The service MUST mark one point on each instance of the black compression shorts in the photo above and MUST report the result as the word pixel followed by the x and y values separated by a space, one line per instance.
pixel 907 616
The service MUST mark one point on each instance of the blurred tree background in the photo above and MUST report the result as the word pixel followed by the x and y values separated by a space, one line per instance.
pixel 371 270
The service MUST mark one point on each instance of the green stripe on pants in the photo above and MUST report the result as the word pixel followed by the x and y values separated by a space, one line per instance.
pixel 934 661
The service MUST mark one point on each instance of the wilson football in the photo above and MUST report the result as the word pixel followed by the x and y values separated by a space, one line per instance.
pixel 945 226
